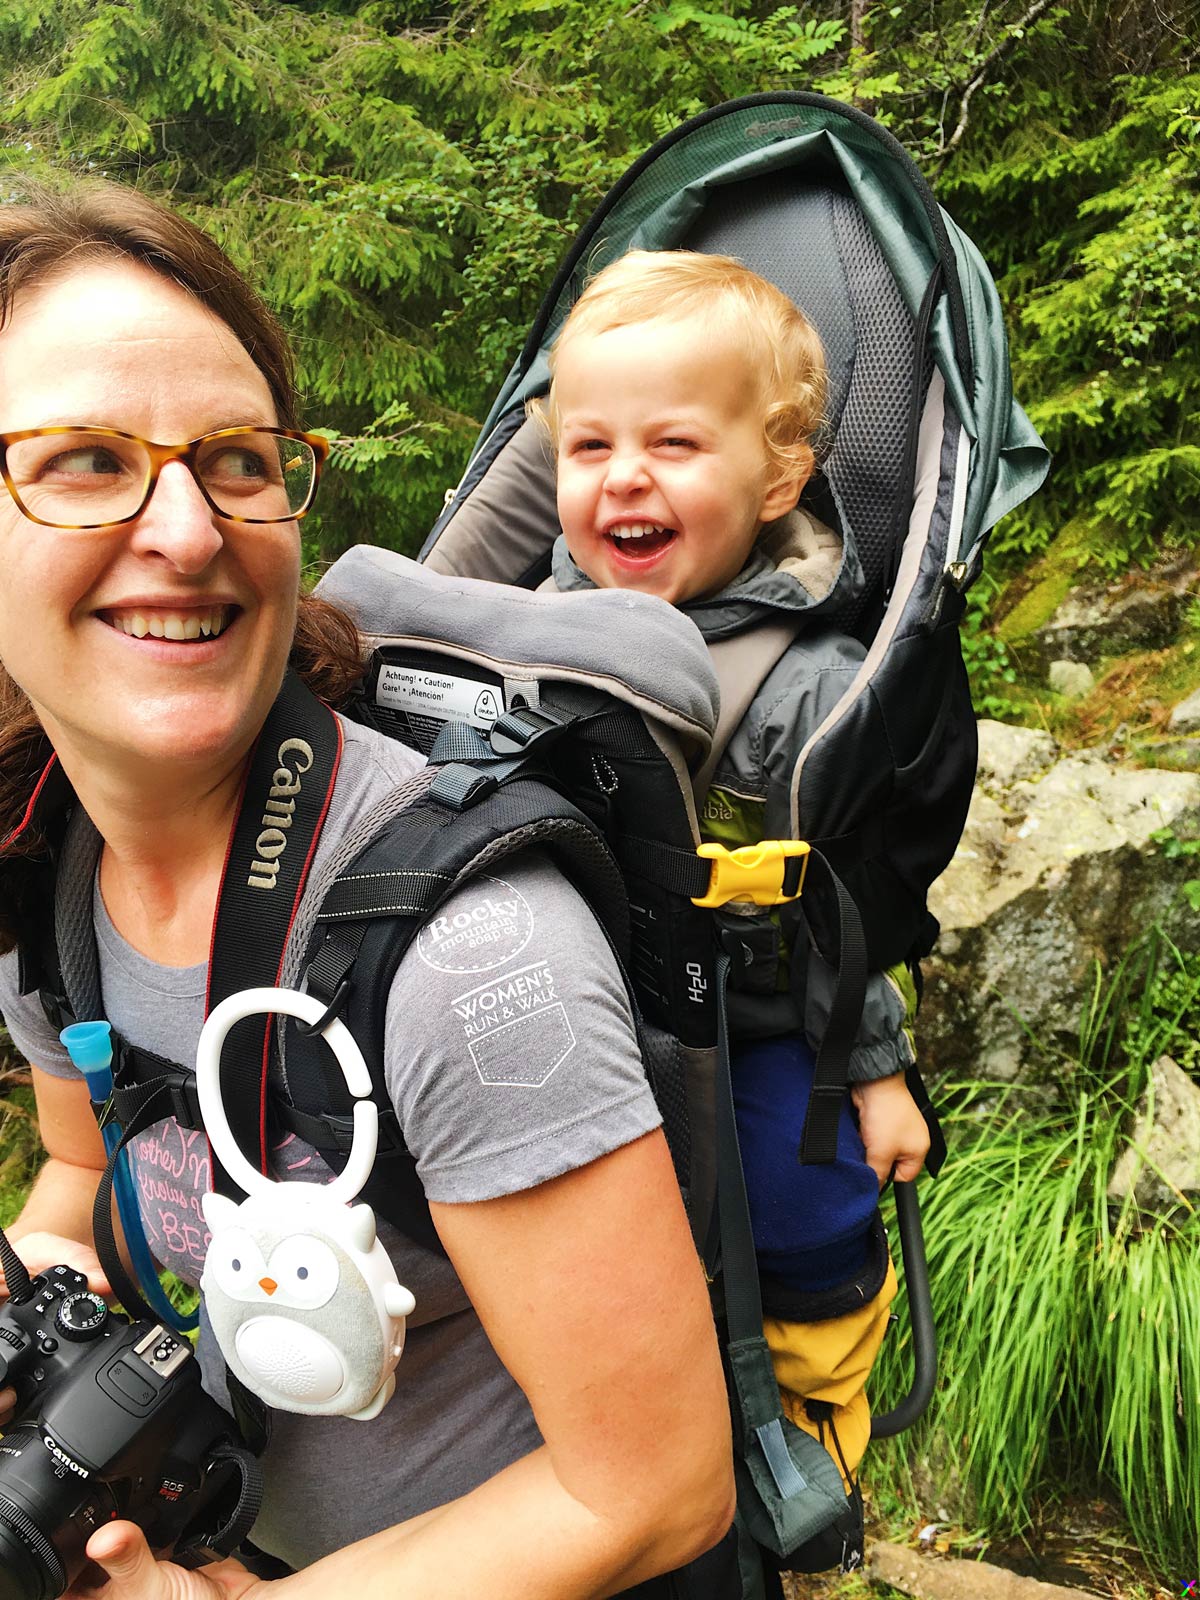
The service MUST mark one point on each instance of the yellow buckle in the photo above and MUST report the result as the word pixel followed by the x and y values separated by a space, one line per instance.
pixel 753 872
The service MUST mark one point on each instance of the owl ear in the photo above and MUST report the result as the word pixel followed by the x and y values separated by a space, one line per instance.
pixel 219 1210
pixel 362 1228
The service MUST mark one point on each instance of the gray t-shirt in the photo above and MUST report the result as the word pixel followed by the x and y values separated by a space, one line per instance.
pixel 511 1059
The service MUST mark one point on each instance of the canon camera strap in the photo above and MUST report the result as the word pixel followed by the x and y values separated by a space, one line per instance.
pixel 283 807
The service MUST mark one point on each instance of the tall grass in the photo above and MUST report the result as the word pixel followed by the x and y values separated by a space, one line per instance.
pixel 1069 1325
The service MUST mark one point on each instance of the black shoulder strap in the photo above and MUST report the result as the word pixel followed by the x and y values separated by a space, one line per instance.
pixel 368 919
pixel 283 806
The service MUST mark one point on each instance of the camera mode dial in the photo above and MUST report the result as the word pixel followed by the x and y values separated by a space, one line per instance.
pixel 81 1316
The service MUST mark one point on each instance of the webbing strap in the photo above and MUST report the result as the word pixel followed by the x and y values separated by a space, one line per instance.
pixel 680 872
pixel 408 892
pixel 283 806
pixel 739 1269
pixel 473 764
pixel 228 1535
pixel 147 1088
pixel 818 1140
pixel 789 1480
pixel 106 1244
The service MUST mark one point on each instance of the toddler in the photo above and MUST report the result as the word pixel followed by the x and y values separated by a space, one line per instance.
pixel 686 392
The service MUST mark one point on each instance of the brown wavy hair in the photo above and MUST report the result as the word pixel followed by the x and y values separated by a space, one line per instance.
pixel 45 234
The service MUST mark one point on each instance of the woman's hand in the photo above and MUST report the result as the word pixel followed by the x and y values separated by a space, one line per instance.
pixel 131 1572
pixel 895 1135
pixel 41 1250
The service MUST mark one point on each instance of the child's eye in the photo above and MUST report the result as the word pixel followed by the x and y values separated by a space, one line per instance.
pixel 589 446
pixel 679 443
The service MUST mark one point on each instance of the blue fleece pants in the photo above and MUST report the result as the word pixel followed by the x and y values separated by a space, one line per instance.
pixel 811 1223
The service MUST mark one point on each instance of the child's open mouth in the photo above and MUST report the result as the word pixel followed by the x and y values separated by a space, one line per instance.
pixel 639 541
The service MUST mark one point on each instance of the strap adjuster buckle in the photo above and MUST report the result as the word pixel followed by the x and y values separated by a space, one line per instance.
pixel 184 1097
pixel 513 732
pixel 769 873
pixel 341 1127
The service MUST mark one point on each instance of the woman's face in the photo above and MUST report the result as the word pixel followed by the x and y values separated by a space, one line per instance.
pixel 164 639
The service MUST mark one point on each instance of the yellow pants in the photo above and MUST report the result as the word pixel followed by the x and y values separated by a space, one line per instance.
pixel 830 1361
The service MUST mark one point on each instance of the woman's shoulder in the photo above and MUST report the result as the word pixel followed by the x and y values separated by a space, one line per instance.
pixel 373 767
pixel 376 758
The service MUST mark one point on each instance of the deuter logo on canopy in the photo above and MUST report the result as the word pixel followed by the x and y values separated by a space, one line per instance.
pixel 479 931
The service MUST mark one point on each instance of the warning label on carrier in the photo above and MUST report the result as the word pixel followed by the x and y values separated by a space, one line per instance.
pixel 434 694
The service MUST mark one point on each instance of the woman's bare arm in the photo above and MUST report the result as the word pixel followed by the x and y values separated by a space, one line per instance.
pixel 55 1223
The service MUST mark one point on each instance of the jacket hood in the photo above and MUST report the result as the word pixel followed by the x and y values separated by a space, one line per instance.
pixel 797 566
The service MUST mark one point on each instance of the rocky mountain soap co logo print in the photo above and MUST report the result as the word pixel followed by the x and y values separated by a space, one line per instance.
pixel 486 930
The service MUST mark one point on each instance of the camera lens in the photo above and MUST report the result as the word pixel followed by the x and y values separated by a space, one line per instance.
pixel 29 1565
pixel 47 1513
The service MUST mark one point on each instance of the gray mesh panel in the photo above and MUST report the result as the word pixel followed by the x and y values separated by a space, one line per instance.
pixel 693 158
pixel 785 233
pixel 815 245
pixel 866 464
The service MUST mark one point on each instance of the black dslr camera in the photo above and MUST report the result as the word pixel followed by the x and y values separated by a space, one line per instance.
pixel 110 1421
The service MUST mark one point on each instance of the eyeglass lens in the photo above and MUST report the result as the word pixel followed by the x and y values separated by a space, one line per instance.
pixel 80 479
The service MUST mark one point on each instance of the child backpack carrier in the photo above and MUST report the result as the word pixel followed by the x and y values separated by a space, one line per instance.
pixel 926 450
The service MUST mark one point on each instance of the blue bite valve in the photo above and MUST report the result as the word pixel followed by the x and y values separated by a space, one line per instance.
pixel 89 1045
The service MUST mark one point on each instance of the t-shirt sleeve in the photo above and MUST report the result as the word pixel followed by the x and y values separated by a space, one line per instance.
pixel 510 1047
pixel 28 1025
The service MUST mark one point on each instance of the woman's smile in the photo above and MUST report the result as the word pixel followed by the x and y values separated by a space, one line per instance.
pixel 138 622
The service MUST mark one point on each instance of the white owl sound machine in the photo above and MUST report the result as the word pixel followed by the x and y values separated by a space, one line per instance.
pixel 302 1297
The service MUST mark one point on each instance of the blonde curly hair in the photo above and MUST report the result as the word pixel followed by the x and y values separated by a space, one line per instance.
pixel 721 295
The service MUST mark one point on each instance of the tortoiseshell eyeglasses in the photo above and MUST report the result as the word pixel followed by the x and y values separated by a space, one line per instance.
pixel 90 477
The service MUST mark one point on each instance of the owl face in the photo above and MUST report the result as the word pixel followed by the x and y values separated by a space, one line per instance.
pixel 303 1300
pixel 301 1271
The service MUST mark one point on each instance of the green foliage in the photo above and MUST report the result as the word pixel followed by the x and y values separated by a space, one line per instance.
pixel 403 182
pixel 1069 1325
pixel 988 660
pixel 21 1152
pixel 1101 271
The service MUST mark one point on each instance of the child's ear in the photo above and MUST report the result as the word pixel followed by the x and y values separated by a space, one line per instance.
pixel 784 491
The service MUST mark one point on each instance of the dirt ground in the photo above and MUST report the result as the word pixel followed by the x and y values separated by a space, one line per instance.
pixel 1079 1545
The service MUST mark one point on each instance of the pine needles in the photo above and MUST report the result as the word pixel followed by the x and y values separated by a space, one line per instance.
pixel 1069 1324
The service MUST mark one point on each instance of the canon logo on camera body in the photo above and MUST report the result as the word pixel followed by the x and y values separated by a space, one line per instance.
pixel 278 811
pixel 62 1457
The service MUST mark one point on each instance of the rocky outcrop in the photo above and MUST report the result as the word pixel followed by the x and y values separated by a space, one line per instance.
pixel 1057 871
pixel 1141 611
pixel 1160 1165
pixel 938 1578
pixel 1185 717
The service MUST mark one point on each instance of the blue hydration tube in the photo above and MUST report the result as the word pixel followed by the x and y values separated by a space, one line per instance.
pixel 89 1045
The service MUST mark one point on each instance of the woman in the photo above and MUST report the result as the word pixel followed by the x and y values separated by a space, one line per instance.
pixel 560 1426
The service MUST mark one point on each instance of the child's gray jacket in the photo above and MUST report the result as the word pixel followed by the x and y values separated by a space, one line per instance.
pixel 797 572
